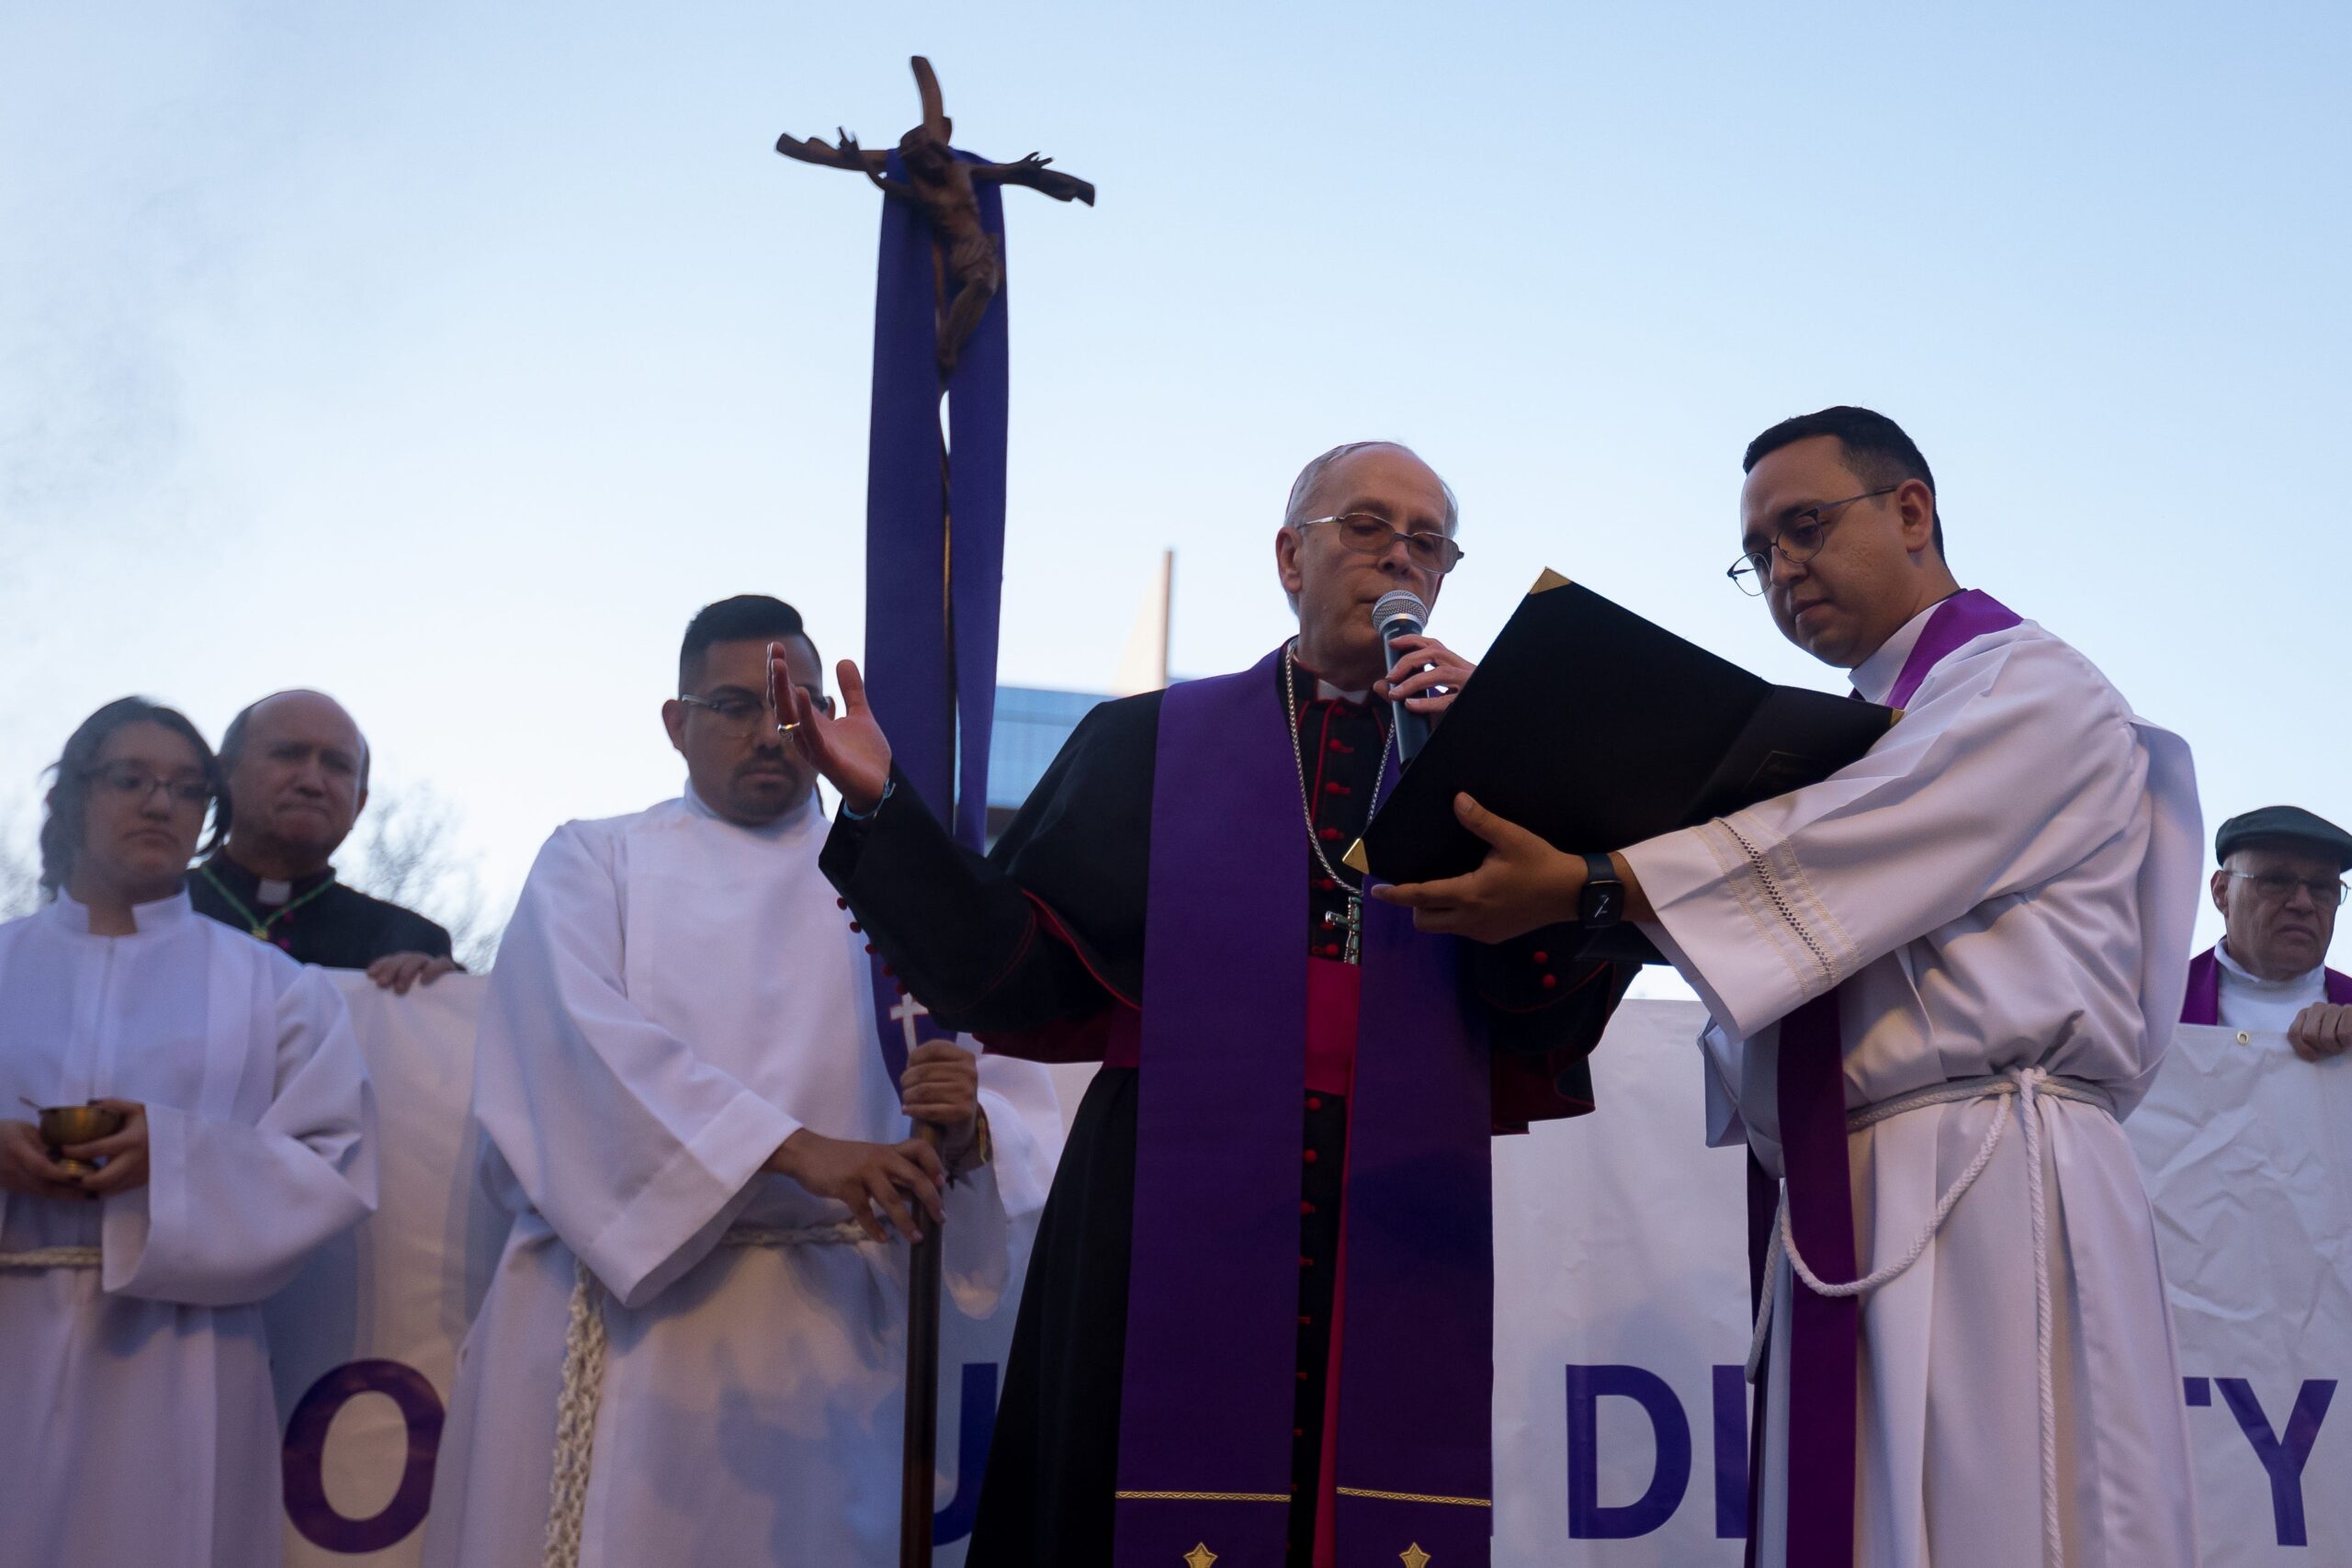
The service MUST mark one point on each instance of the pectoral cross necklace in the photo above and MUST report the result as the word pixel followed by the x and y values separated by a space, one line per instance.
pixel 1350 920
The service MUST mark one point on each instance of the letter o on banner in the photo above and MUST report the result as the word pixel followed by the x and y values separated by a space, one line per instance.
pixel 305 1457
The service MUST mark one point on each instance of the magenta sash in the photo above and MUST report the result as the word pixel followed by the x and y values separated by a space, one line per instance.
pixel 1211 1344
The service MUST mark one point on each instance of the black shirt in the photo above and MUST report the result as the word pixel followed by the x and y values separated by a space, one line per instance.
pixel 315 920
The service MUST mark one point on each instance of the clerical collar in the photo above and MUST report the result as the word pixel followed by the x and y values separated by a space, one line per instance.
pixel 1324 690
pixel 776 828
pixel 2311 979
pixel 261 892
pixel 157 914
pixel 1874 677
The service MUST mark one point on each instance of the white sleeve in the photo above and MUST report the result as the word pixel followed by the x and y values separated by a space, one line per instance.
pixel 985 1208
pixel 636 1149
pixel 2017 762
pixel 231 1209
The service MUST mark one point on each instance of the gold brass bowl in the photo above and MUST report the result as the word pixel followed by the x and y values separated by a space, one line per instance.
pixel 63 1124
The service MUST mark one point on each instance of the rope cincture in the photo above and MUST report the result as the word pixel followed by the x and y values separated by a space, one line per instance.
pixel 584 1343
pixel 52 1257
pixel 2029 1085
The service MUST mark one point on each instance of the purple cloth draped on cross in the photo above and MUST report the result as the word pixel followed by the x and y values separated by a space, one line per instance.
pixel 1206 1407
pixel 1824 1331
pixel 934 547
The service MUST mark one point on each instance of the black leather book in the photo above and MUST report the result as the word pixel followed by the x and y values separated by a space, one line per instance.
pixel 1597 729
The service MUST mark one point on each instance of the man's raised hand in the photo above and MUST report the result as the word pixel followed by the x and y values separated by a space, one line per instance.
pixel 851 752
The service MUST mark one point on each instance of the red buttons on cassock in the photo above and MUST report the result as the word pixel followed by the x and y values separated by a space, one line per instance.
pixel 1326 884
pixel 1305 1261
pixel 1305 1321
pixel 1335 787
pixel 1331 835
pixel 1314 1102
pixel 1308 1156
pixel 1305 1209
pixel 1550 981
pixel 1298 1431
pixel 841 903
pixel 1302 1377
pixel 1542 957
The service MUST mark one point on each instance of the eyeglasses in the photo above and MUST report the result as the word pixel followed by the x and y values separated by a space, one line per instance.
pixel 1798 541
pixel 740 714
pixel 135 784
pixel 1368 534
pixel 2277 888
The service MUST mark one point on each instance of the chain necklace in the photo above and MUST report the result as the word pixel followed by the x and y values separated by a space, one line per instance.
pixel 255 923
pixel 1352 921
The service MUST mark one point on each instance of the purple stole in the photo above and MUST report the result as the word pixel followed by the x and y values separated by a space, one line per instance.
pixel 1208 1399
pixel 1824 1332
pixel 2204 1002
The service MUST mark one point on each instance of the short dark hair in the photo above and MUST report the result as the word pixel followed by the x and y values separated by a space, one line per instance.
pixel 1872 446
pixel 68 801
pixel 744 618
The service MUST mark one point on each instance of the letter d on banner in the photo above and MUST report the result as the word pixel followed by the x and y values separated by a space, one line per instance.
pixel 1589 1518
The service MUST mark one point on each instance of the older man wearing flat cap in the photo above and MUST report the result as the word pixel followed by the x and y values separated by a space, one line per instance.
pixel 2278 887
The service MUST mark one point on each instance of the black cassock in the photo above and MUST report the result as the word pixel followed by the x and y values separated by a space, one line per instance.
pixel 316 920
pixel 1032 949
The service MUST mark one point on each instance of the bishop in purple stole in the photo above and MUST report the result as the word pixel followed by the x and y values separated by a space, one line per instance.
pixel 1267 1122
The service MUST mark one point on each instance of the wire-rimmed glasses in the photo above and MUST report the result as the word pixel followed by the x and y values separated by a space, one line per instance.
pixel 1799 540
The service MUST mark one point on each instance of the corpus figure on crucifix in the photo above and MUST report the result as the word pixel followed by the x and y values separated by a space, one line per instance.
pixel 940 183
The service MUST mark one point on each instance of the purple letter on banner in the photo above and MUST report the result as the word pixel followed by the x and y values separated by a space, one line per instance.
pixel 305 1457
pixel 1731 1453
pixel 1587 1519
pixel 2282 1458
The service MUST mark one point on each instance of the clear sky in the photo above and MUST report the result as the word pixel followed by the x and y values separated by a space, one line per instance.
pixel 448 357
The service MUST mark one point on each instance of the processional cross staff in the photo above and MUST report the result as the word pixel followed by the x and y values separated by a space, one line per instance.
pixel 918 575
pixel 941 185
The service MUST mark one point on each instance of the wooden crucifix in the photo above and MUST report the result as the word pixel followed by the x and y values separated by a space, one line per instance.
pixel 970 269
pixel 934 568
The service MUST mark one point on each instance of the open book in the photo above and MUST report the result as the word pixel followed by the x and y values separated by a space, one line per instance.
pixel 1596 729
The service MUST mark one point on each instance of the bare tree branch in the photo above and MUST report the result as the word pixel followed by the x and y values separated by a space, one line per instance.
pixel 405 851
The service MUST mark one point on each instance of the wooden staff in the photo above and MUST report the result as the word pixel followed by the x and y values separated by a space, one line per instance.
pixel 921 1449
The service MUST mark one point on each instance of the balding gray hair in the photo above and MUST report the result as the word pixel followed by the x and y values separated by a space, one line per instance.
pixel 1303 489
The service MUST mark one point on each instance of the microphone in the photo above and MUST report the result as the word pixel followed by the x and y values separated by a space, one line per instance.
pixel 1400 612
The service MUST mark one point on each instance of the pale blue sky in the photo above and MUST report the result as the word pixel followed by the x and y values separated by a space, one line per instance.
pixel 447 357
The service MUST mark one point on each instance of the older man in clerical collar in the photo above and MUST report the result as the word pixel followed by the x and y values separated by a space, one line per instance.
pixel 296 776
pixel 2279 886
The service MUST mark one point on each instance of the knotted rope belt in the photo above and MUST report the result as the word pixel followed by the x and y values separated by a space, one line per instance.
pixel 2029 1085
pixel 583 1381
pixel 52 1257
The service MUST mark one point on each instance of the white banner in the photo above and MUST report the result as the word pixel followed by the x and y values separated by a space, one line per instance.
pixel 1620 1418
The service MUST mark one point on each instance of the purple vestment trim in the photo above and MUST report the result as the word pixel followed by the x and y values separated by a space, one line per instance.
pixel 1208 1394
pixel 2204 1004
pixel 1824 1331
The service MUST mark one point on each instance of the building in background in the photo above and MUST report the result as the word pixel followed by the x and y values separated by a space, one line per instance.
pixel 1032 722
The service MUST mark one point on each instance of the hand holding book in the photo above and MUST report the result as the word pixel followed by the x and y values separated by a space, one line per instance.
pixel 1523 883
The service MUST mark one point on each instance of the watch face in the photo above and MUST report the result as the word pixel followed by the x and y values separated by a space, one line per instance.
pixel 1600 905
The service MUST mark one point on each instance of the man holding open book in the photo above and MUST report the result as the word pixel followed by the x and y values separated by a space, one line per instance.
pixel 1937 978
